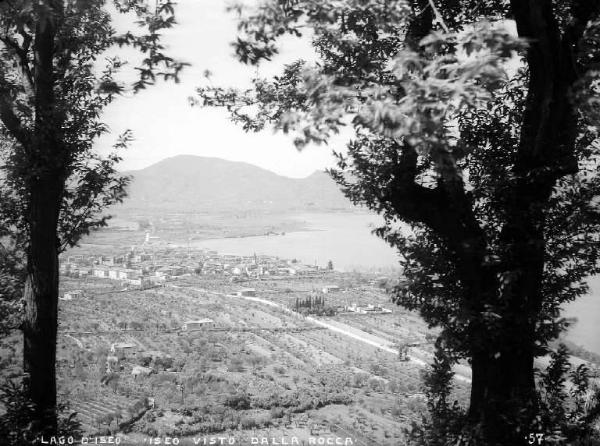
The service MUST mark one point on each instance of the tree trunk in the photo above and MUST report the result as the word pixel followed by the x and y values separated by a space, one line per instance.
pixel 44 180
pixel 41 300
pixel 502 394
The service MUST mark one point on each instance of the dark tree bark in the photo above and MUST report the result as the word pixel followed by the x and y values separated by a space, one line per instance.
pixel 503 397
pixel 503 387
pixel 45 185
pixel 41 300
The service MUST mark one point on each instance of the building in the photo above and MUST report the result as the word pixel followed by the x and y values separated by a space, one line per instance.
pixel 74 294
pixel 143 282
pixel 236 271
pixel 123 348
pixel 197 324
pixel 100 272
pixel 177 271
pixel 128 273
pixel 138 258
pixel 286 270
pixel 81 272
pixel 330 289
pixel 250 292
pixel 138 370
pixel 369 309
pixel 67 268
pixel 108 260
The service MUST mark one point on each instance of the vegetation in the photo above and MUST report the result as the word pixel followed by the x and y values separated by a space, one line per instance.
pixel 483 140
pixel 313 304
pixel 569 402
pixel 19 424
pixel 224 379
pixel 54 184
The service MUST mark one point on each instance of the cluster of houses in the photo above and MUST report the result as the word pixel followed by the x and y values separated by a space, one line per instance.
pixel 252 266
pixel 143 270
pixel 139 270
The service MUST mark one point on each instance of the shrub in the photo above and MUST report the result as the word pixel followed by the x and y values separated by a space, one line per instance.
pixel 277 412
pixel 238 401
pixel 359 379
pixel 235 365
pixel 255 361
pixel 248 423
pixel 18 424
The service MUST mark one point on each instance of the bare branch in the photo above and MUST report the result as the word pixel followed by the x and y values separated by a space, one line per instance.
pixel 438 16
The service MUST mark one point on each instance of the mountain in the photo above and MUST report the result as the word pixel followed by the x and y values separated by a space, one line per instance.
pixel 188 182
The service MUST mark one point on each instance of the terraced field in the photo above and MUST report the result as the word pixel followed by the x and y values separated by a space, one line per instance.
pixel 259 366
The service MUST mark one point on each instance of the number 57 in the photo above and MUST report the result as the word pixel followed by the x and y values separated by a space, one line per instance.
pixel 535 438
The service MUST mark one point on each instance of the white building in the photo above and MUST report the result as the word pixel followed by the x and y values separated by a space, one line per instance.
pixel 74 294
pixel 197 324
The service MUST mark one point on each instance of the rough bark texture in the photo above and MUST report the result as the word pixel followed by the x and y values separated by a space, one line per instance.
pixel 503 388
pixel 45 185
pixel 41 299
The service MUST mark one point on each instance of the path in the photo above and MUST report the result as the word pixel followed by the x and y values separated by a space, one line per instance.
pixel 461 372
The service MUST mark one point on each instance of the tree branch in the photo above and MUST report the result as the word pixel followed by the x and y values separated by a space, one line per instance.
pixel 420 25
pixel 445 209
pixel 12 122
pixel 21 53
pixel 438 16
pixel 549 121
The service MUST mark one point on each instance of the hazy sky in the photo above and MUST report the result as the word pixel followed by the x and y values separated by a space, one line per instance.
pixel 165 125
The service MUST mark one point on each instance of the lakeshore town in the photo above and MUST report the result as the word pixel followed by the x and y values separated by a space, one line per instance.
pixel 160 340
pixel 138 269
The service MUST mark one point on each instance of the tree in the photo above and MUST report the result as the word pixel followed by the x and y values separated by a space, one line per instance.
pixel 19 413
pixel 51 98
pixel 483 140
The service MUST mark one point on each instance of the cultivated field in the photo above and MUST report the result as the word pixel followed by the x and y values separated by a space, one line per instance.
pixel 258 369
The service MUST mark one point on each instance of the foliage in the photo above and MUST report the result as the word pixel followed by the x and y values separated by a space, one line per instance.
pixel 18 424
pixel 238 401
pixel 84 32
pixel 479 148
pixel 11 286
pixel 313 304
pixel 53 90
pixel 445 422
pixel 570 402
pixel 577 350
pixel 568 413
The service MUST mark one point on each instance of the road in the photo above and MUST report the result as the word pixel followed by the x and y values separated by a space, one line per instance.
pixel 462 373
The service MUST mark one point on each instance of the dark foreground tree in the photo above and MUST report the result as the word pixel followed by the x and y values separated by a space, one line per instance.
pixel 55 80
pixel 475 123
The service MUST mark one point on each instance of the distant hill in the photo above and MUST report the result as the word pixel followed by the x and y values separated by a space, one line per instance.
pixel 188 182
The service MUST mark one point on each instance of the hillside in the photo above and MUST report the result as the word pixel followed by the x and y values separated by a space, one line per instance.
pixel 186 182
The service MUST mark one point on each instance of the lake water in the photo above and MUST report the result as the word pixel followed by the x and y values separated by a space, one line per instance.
pixel 346 240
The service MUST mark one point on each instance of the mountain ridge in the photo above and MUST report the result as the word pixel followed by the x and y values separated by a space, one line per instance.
pixel 189 181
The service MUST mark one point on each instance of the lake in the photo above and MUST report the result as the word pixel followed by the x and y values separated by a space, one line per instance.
pixel 346 240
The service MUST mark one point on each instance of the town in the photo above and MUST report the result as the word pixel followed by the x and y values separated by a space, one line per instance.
pixel 164 340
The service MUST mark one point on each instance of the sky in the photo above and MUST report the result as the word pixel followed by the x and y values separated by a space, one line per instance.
pixel 165 125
